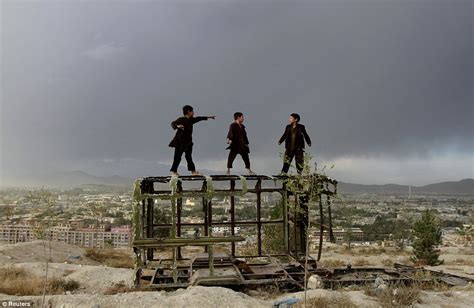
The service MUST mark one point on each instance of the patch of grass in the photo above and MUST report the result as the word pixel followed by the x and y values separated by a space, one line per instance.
pixel 334 263
pixel 368 251
pixel 461 261
pixel 17 281
pixel 118 288
pixel 13 282
pixel 466 251
pixel 387 262
pixel 396 296
pixel 110 257
pixel 360 262
pixel 68 272
pixel 60 285
pixel 340 301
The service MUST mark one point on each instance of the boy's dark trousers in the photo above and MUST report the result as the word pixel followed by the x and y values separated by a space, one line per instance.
pixel 298 154
pixel 178 153
pixel 233 155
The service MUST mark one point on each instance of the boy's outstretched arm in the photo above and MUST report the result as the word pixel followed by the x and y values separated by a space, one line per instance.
pixel 202 118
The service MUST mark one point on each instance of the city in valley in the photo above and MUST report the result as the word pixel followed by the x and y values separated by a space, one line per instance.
pixel 97 216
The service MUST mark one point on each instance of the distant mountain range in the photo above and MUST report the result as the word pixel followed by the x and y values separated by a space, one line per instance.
pixel 465 186
pixel 79 178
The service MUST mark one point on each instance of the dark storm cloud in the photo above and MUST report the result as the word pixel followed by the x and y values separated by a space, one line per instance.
pixel 95 80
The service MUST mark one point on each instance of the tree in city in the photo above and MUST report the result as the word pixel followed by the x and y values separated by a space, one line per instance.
pixel 427 233
pixel 47 200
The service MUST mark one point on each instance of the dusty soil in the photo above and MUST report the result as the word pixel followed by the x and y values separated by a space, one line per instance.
pixel 221 297
pixel 34 252
pixel 96 279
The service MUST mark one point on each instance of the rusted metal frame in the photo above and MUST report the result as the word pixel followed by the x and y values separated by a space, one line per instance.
pixel 166 286
pixel 197 194
pixel 168 242
pixel 284 197
pixel 303 223
pixel 173 236
pixel 263 256
pixel 221 192
pixel 143 218
pixel 211 246
pixel 143 252
pixel 321 228
pixel 232 215
pixel 179 203
pixel 149 225
pixel 295 225
pixel 188 224
pixel 258 187
pixel 204 209
pixel 166 179
pixel 332 239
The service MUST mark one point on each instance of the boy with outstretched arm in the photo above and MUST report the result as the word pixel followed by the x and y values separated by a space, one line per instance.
pixel 183 140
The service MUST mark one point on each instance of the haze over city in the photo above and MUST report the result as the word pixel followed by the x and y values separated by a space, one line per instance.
pixel 385 88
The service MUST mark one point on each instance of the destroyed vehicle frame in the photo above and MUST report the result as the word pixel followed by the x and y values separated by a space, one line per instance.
pixel 210 267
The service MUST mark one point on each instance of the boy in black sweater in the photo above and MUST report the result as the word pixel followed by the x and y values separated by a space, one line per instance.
pixel 239 143
pixel 183 140
pixel 294 136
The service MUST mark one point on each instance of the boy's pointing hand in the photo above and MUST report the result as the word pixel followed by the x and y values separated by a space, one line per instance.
pixel 211 117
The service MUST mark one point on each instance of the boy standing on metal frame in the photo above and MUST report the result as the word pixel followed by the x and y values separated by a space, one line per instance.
pixel 239 143
pixel 294 136
pixel 183 140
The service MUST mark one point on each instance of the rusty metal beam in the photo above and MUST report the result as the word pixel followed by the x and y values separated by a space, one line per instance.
pixel 232 215
pixel 258 187
pixel 172 242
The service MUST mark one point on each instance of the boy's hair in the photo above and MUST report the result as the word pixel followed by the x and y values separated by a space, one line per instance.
pixel 295 116
pixel 237 115
pixel 187 109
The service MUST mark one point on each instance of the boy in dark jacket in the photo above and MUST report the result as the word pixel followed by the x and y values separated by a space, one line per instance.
pixel 239 143
pixel 183 140
pixel 294 136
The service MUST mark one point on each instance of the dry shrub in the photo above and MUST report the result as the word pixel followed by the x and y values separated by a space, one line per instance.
pixel 118 288
pixel 13 281
pixel 403 296
pixel 367 251
pixel 17 281
pixel 360 262
pixel 60 285
pixel 340 301
pixel 334 263
pixel 466 251
pixel 396 296
pixel 68 272
pixel 248 250
pixel 387 262
pixel 461 261
pixel 110 257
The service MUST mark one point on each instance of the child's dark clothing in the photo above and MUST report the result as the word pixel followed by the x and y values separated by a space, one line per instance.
pixel 183 141
pixel 239 145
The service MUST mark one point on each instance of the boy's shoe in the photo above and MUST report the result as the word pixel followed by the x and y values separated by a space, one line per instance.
pixel 195 173
pixel 250 172
pixel 174 174
pixel 228 172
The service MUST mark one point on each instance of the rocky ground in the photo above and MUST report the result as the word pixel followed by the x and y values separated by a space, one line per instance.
pixel 96 281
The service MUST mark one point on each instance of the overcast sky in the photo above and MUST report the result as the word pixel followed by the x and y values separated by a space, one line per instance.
pixel 385 88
